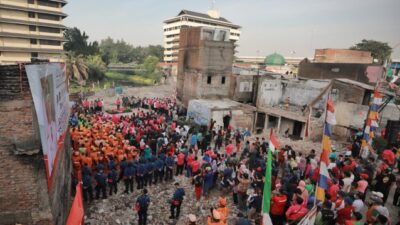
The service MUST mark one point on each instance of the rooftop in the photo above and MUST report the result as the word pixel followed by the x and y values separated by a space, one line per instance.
pixel 205 16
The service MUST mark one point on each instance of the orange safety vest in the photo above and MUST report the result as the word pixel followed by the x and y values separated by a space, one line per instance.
pixel 209 222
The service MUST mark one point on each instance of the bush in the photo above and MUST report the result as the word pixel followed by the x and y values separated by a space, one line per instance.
pixel 97 68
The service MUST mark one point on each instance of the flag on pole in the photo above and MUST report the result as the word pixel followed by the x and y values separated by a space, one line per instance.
pixel 371 124
pixel 76 213
pixel 273 144
pixel 326 150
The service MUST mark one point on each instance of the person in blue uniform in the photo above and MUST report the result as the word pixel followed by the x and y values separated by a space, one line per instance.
pixel 142 205
pixel 129 174
pixel 139 175
pixel 113 180
pixel 176 201
pixel 101 185
pixel 169 167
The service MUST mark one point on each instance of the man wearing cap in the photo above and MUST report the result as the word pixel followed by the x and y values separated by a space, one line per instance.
pixel 375 202
pixel 142 205
pixel 176 201
pixel 384 182
pixel 101 184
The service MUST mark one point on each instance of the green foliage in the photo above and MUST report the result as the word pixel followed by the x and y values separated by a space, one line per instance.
pixel 97 68
pixel 77 67
pixel 379 50
pixel 77 43
pixel 379 144
pixel 133 79
pixel 121 52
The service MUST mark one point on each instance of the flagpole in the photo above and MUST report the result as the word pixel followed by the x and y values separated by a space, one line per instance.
pixel 322 146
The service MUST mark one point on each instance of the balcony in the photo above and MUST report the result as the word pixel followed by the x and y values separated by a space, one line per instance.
pixel 32 9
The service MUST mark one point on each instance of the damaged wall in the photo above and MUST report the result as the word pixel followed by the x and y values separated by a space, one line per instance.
pixel 24 197
pixel 208 61
pixel 269 92
pixel 243 89
pixel 302 92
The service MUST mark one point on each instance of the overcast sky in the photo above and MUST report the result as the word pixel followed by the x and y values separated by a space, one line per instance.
pixel 268 26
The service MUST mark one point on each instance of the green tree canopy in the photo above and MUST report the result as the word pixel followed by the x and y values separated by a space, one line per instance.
pixel 380 51
pixel 77 43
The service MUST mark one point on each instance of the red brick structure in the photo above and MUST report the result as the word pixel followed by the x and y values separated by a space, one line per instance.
pixel 24 197
pixel 331 55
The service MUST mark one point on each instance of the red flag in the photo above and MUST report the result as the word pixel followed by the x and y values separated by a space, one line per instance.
pixel 76 213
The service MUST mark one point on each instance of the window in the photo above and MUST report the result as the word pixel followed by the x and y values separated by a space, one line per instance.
pixel 33 42
pixel 208 79
pixel 31 14
pixel 49 30
pixel 50 42
pixel 31 1
pixel 34 55
pixel 48 3
pixel 48 17
pixel 223 80
pixel 32 28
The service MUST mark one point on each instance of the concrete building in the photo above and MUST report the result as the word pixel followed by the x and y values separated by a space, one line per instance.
pixel 24 195
pixel 331 55
pixel 205 64
pixel 31 29
pixel 201 111
pixel 172 28
pixel 341 63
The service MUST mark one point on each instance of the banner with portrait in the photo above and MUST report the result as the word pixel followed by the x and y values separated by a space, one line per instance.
pixel 51 99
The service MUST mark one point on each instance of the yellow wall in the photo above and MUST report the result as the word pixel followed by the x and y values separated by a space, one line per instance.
pixel 14 57
pixel 11 28
pixel 22 3
pixel 15 42
pixel 11 14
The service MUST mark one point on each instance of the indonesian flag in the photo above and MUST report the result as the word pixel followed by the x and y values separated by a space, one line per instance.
pixel 273 142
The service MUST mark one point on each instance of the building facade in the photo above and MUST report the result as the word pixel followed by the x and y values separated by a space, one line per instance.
pixel 205 64
pixel 31 29
pixel 172 28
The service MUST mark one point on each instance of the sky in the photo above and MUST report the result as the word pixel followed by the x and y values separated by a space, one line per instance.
pixel 289 27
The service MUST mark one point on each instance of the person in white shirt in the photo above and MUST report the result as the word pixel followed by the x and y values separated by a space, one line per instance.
pixel 347 181
pixel 358 204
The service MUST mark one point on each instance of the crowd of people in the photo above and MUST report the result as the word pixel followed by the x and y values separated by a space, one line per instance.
pixel 150 146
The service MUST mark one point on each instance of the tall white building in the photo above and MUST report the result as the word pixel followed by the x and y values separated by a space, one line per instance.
pixel 173 26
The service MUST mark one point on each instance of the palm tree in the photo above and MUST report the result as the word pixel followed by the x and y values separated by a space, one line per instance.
pixel 76 68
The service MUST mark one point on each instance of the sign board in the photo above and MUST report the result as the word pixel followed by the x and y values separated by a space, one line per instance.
pixel 200 113
pixel 51 100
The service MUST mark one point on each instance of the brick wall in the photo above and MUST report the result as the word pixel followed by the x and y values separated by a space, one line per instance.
pixel 23 184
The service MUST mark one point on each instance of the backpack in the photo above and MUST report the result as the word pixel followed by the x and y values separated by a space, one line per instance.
pixel 328 216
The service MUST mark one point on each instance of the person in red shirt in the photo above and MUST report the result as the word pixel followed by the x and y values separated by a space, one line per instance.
pixel 296 211
pixel 195 165
pixel 229 149
pixel 278 203
pixel 345 213
pixel 389 156
pixel 180 163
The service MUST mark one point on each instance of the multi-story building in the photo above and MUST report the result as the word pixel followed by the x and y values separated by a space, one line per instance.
pixel 31 29
pixel 172 28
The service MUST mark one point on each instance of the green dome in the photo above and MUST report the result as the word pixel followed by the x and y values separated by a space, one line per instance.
pixel 275 59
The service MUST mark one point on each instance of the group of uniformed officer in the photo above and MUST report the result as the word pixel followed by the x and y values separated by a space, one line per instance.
pixel 145 172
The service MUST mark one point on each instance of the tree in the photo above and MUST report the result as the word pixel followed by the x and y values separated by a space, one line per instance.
pixel 76 67
pixel 77 42
pixel 380 51
pixel 96 67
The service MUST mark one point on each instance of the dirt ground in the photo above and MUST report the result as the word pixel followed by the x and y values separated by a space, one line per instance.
pixel 118 209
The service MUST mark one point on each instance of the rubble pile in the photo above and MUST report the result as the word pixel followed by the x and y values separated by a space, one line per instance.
pixel 119 209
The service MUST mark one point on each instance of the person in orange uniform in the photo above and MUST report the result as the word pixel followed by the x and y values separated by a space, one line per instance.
pixel 223 209
pixel 215 218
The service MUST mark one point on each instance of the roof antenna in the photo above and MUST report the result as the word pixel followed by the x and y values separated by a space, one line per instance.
pixel 214 13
